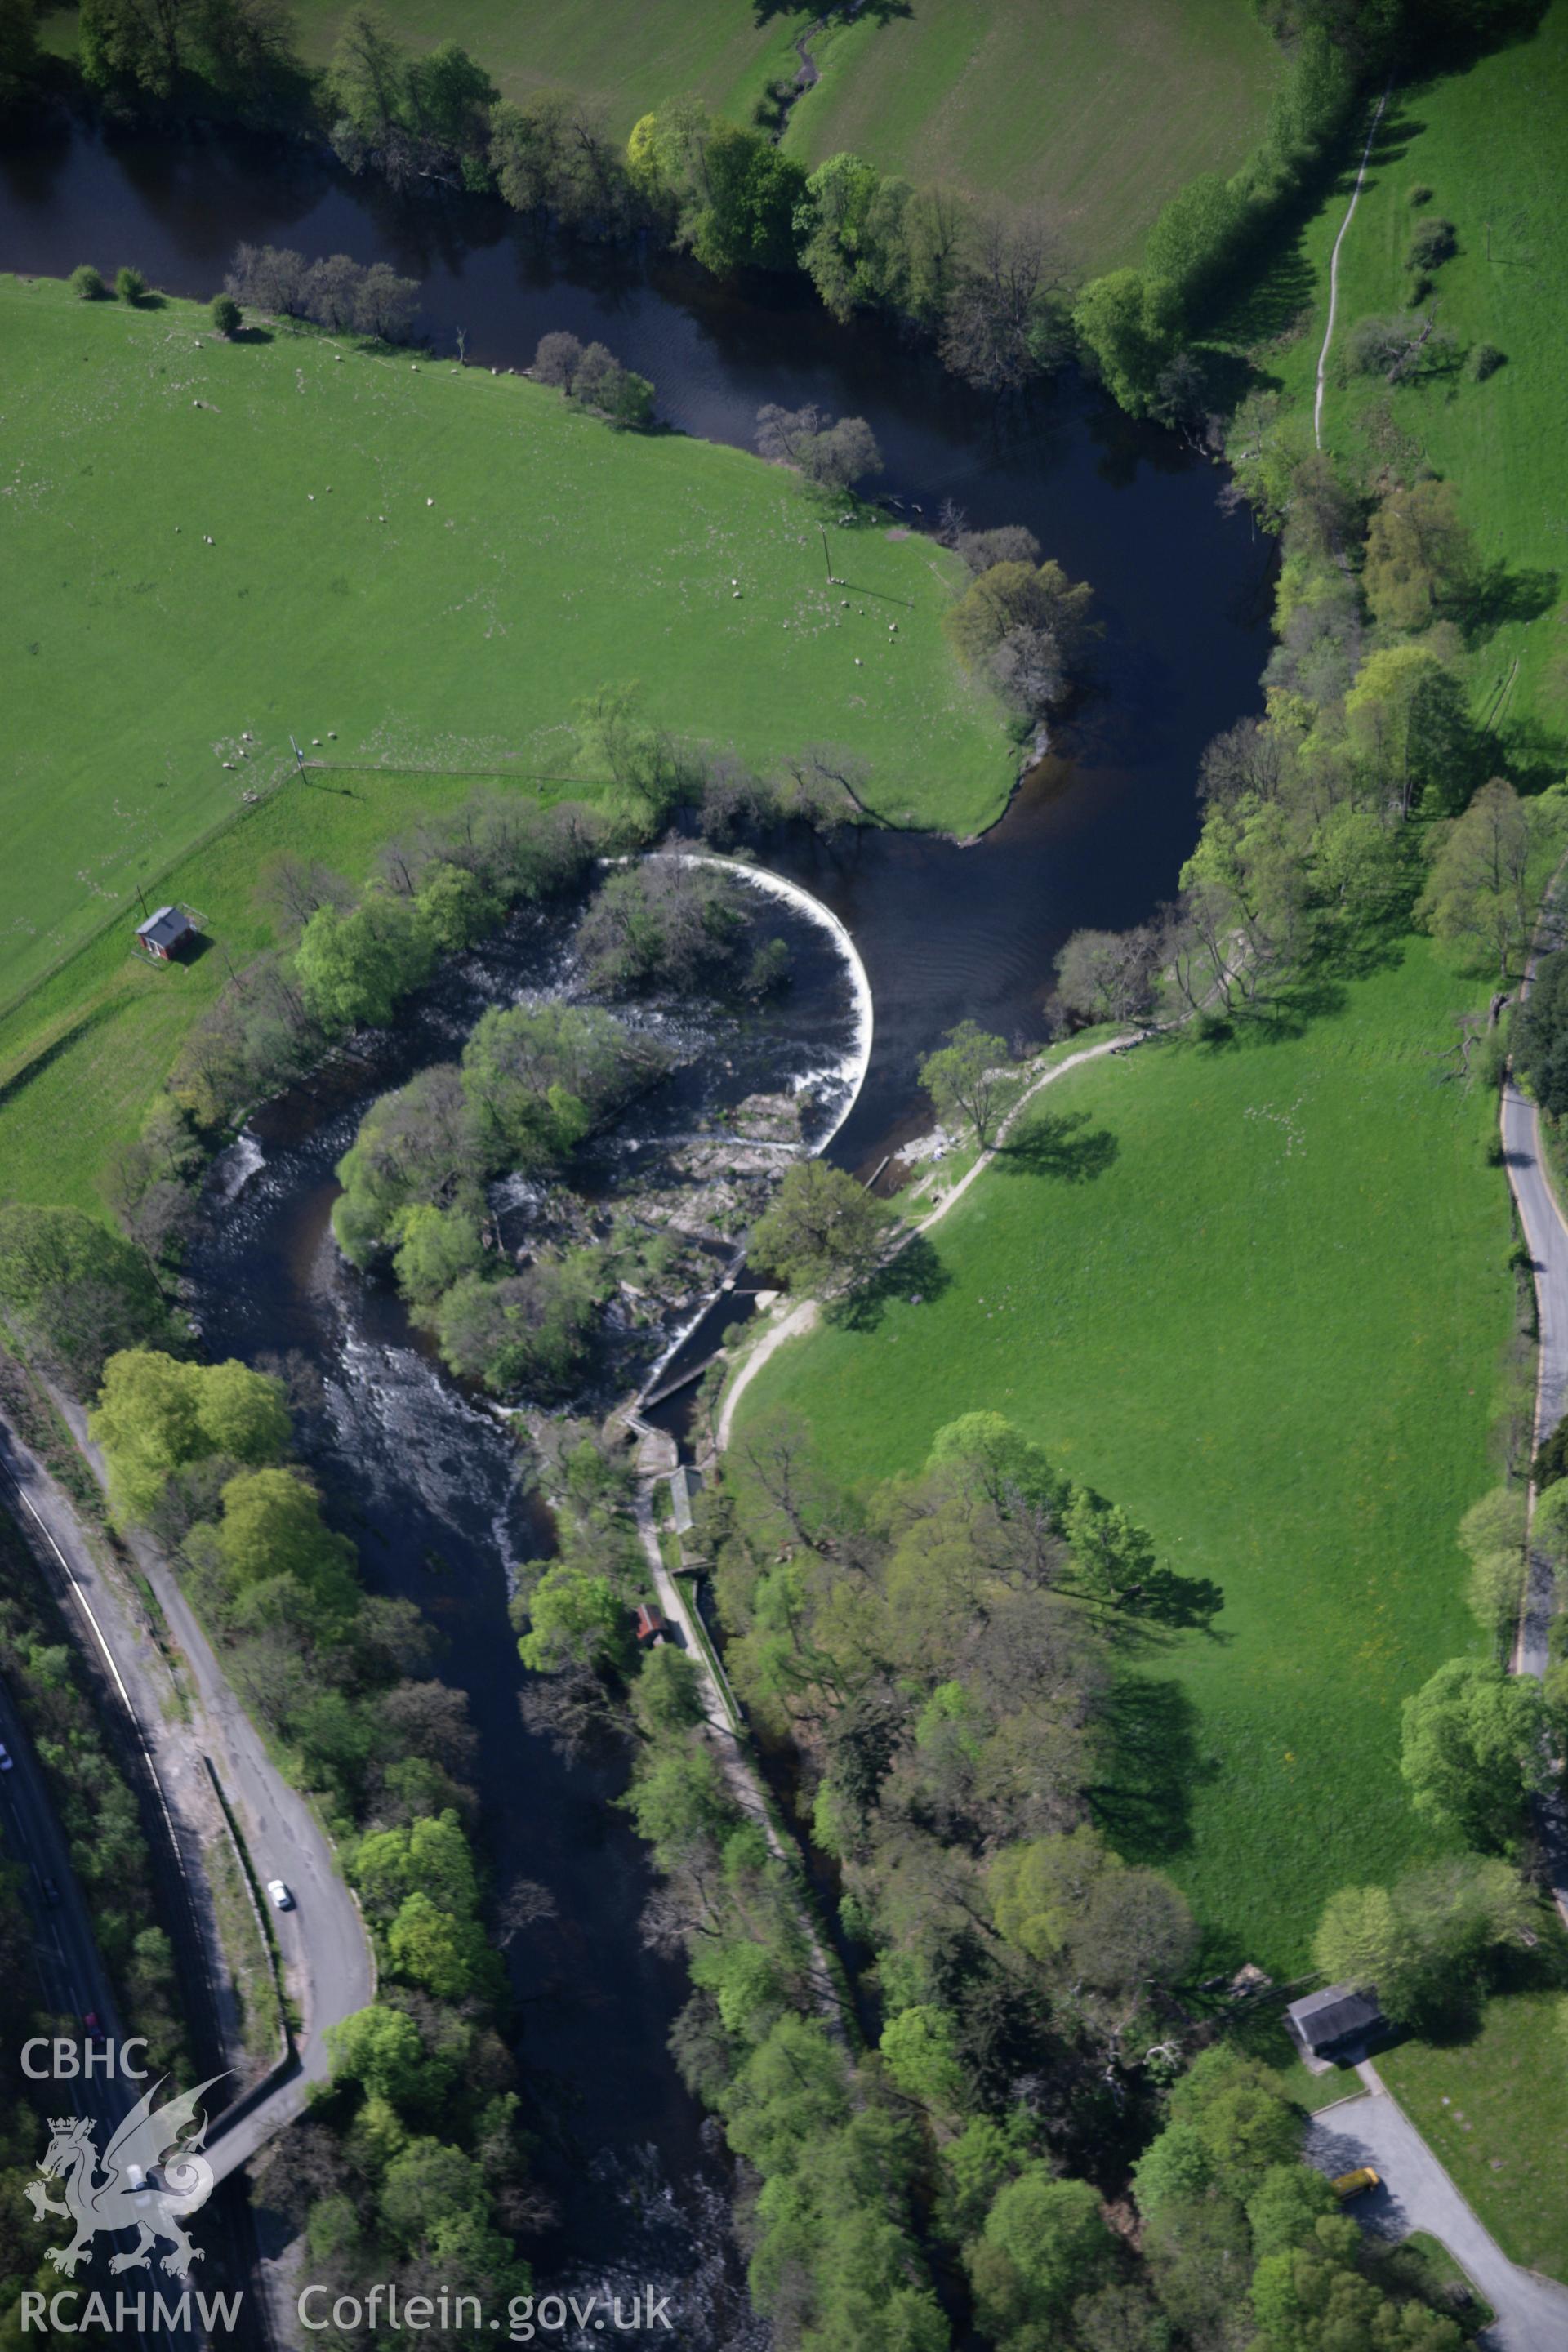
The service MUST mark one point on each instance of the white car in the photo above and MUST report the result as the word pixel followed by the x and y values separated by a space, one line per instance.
pixel 280 1896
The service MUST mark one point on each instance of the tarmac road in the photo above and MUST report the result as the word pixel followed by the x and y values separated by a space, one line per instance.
pixel 1417 2194
pixel 325 1950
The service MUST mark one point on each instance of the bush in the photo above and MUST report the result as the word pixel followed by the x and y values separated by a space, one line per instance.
pixel 227 314
pixel 87 284
pixel 1434 241
pixel 1420 195
pixel 1484 360
pixel 130 284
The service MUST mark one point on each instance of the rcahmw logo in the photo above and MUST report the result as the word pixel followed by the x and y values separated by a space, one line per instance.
pixel 151 2178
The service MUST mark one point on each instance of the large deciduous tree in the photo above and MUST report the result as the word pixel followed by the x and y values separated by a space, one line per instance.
pixel 1472 1749
pixel 823 1228
pixel 963 1078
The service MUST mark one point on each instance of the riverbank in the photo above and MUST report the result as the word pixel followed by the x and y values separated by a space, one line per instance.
pixel 1027 105
pixel 1258 1292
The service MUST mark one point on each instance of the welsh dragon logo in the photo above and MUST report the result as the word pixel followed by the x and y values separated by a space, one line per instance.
pixel 123 2195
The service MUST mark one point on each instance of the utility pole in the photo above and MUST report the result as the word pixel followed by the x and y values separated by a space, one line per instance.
pixel 826 558
pixel 298 755
pixel 142 896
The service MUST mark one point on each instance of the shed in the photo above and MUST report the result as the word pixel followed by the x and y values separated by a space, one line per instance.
pixel 652 1626
pixel 166 933
pixel 1331 2023
pixel 685 1485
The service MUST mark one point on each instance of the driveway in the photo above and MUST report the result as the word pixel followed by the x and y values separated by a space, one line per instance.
pixel 1417 2194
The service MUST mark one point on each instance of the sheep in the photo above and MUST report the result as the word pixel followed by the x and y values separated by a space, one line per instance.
pixel 859 663
pixel 429 502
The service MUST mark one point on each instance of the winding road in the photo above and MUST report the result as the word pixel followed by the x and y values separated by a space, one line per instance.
pixel 326 1953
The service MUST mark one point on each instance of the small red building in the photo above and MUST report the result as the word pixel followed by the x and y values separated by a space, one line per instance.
pixel 166 933
pixel 652 1626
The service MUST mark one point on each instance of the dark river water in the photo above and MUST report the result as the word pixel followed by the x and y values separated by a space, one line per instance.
pixel 419 1473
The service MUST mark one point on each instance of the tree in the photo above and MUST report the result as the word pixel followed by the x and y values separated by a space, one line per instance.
pixel 380 2049
pixel 1127 323
pixel 667 1696
pixel 155 1414
pixel 1197 235
pixel 1419 555
pixel 1044 2245
pixel 662 921
pixel 272 1527
pixel 1026 608
pixel 1472 1749
pixel 1362 1941
pixel 436 1948
pixel 1110 975
pixel 1072 1904
pixel 226 315
pixel 385 305
pixel 599 382
pixel 130 284
pixel 1540 1048
pixel 76 1292
pixel 86 283
pixel 1410 727
pixel 1492 1532
pixel 556 359
pixel 432 1855
pixel 754 190
pixel 1489 869
pixel 574 1620
pixel 528 1331
pixel 823 1230
pixel 353 968
pixel 962 1077
pixel 18 47
pixel 831 455
pixel 1005 319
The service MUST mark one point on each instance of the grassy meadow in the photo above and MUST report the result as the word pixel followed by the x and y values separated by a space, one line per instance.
pixel 1096 115
pixel 203 540
pixel 1470 2102
pixel 1258 1293
pixel 1487 143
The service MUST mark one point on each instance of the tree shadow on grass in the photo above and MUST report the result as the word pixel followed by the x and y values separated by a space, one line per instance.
pixel 917 1274
pixel 1498 592
pixel 1060 1144
pixel 1143 1804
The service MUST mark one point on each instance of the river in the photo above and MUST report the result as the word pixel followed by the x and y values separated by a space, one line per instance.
pixel 423 1477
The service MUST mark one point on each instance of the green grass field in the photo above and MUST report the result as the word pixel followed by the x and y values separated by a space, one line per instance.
pixel 433 564
pixel 1097 115
pixel 1259 1295
pixel 429 567
pixel 1471 2102
pixel 1489 144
